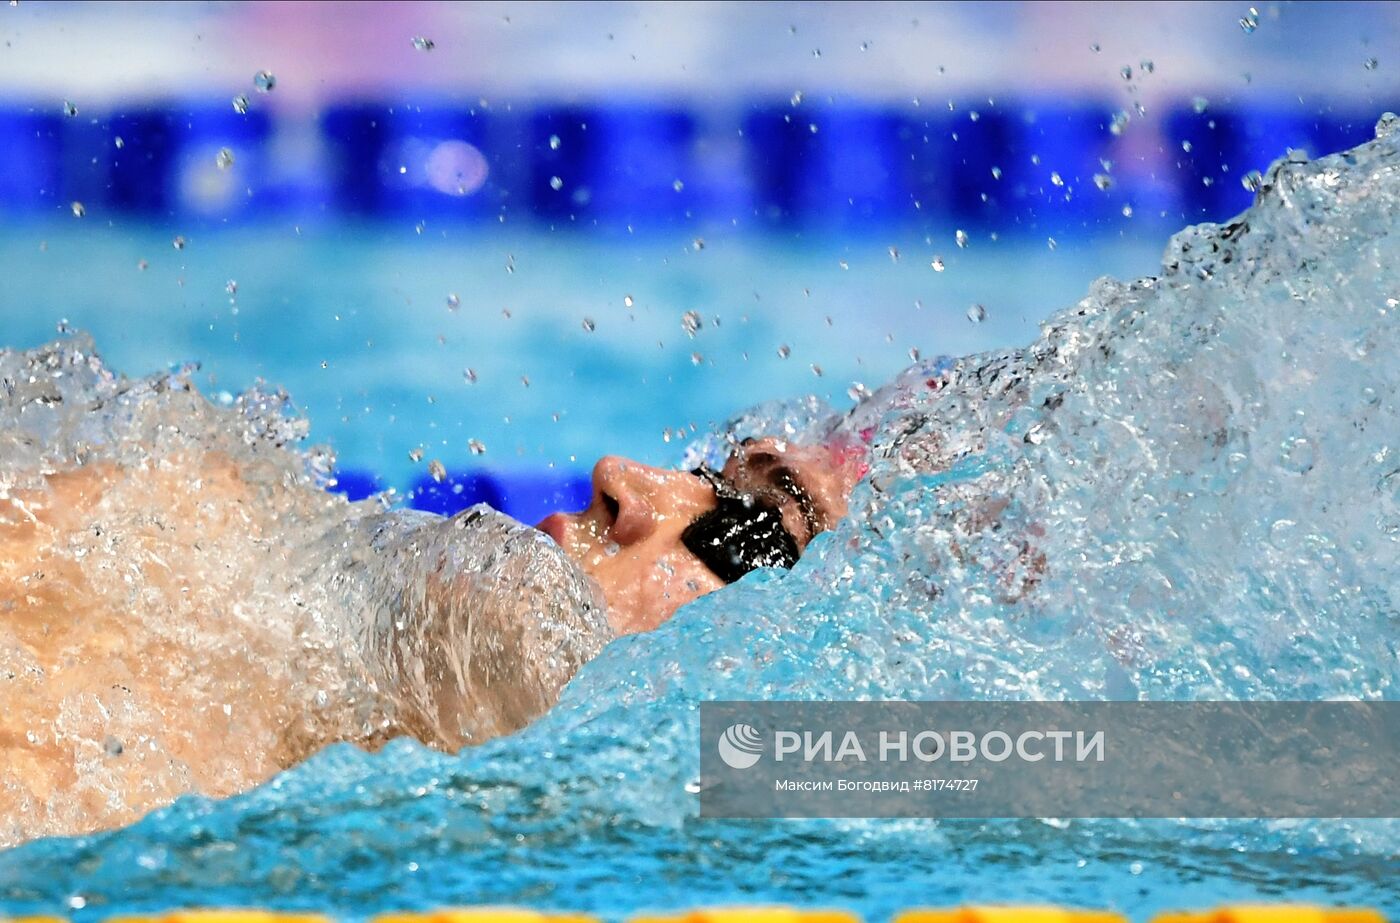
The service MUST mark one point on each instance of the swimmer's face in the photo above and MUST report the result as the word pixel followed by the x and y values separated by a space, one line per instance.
pixel 633 537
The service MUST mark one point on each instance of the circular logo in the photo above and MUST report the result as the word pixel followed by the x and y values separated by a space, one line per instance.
pixel 740 746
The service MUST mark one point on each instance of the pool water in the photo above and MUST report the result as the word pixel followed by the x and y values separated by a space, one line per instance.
pixel 1203 458
pixel 356 325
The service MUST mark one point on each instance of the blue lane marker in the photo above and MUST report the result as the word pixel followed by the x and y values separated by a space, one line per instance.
pixel 205 184
pixel 356 485
pixel 140 172
pixel 156 160
pixel 358 135
pixel 1025 166
pixel 531 496
pixel 455 493
pixel 1071 142
pixel 780 145
pixel 836 167
pixel 1226 143
pixel 435 160
pixel 624 168
pixel 528 496
pixel 634 167
pixel 30 150
pixel 977 151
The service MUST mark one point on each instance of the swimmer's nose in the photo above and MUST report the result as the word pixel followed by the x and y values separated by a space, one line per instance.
pixel 621 486
pixel 638 498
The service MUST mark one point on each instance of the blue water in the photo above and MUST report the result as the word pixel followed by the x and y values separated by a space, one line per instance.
pixel 1205 461
pixel 369 303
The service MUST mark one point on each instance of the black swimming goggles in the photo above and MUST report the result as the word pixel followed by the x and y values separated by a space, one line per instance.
pixel 742 533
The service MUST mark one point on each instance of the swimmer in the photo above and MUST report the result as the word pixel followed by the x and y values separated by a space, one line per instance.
pixel 155 629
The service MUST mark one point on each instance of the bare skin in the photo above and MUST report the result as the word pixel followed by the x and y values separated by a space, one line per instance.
pixel 629 537
pixel 109 705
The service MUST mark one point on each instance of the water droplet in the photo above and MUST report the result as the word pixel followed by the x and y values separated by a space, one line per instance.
pixel 77 902
pixel 525 381
pixel 796 98
pixel 79 209
pixel 1250 22
pixel 264 81
pixel 178 243
pixel 231 286
pixel 1127 211
pixel 937 264
pixel 678 185
pixel 843 264
pixel 1146 67
pixel 1126 72
pixel 556 183
pixel 977 313
pixel 1103 181
pixel 1199 104
pixel 627 301
pixel 112 746
pixel 696 358
pixel 453 301
pixel 118 142
pixel 698 243
pixel 469 375
pixel 415 455
pixel 142 265
pixel 784 351
pixel 224 159
pixel 1096 48
pixel 1297 454
pixel 589 325
pixel 894 254
pixel 996 172
pixel 476 446
pixel 961 237
pixel 1051 243
pixel 69 109
pixel 438 472
pixel 423 43
pixel 1119 123
pixel 554 142
pixel 1283 534
pixel 1372 63
pixel 691 322
pixel 1056 179
pixel 240 104
pixel 1252 180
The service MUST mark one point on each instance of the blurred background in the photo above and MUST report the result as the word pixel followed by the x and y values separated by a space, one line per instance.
pixel 512 237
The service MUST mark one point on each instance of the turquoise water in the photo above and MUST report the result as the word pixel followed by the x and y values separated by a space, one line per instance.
pixel 355 324
pixel 1205 461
